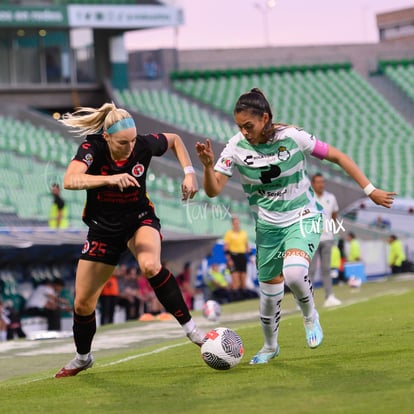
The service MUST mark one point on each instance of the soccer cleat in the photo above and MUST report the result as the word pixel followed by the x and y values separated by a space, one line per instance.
pixel 313 329
pixel 196 337
pixel 331 301
pixel 74 367
pixel 264 356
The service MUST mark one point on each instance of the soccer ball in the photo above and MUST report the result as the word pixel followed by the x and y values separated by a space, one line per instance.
pixel 222 349
pixel 212 310
pixel 354 282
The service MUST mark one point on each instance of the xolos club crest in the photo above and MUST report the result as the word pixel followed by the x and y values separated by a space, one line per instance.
pixel 138 170
pixel 86 247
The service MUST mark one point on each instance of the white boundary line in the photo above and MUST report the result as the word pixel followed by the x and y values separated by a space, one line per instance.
pixel 168 347
pixel 155 351
pixel 119 361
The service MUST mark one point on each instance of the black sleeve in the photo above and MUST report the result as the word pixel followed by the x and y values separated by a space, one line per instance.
pixel 59 202
pixel 157 143
pixel 86 151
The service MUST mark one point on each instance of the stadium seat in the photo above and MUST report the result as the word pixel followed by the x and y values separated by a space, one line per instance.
pixel 402 76
pixel 25 190
pixel 332 101
pixel 181 112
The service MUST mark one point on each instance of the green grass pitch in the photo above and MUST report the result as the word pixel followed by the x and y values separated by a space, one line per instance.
pixel 365 364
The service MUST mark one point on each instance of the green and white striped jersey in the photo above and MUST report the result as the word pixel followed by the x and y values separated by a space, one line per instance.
pixel 274 175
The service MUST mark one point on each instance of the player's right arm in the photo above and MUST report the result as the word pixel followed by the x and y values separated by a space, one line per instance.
pixel 213 181
pixel 76 178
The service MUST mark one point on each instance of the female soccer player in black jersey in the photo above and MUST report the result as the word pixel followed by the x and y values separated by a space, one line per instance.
pixel 111 165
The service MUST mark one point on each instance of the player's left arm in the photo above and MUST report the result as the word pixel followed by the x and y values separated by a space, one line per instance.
pixel 189 186
pixel 378 196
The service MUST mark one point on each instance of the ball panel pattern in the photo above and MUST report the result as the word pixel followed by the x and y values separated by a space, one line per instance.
pixel 214 361
pixel 232 344
pixel 222 348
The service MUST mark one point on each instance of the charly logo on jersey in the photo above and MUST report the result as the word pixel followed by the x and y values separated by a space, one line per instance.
pixel 283 153
pixel 85 247
pixel 138 170
pixel 88 158
pixel 251 159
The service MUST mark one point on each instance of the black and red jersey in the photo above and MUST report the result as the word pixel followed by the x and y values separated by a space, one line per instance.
pixel 106 206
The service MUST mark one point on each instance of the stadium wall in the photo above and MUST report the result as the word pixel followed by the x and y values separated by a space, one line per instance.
pixel 57 96
pixel 396 25
pixel 364 57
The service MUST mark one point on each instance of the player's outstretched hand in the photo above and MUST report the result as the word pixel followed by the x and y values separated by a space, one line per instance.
pixel 189 187
pixel 382 198
pixel 205 153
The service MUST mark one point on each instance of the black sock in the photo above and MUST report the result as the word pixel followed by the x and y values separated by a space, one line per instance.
pixel 84 328
pixel 169 294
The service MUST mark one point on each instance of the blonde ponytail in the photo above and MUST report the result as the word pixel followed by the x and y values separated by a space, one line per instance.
pixel 86 120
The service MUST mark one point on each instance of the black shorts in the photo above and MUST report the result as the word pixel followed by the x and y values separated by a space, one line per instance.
pixel 239 262
pixel 106 246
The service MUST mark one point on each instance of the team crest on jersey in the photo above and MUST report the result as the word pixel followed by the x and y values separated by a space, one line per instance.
pixel 226 162
pixel 88 158
pixel 138 170
pixel 283 153
pixel 85 247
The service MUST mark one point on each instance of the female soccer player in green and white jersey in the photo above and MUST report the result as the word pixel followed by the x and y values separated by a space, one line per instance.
pixel 271 158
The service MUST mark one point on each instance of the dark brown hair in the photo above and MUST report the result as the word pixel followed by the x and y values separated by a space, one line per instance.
pixel 256 103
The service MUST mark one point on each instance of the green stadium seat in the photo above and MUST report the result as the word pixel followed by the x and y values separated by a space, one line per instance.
pixel 6 204
pixel 33 158
pixel 403 76
pixel 332 101
pixel 172 108
pixel 25 203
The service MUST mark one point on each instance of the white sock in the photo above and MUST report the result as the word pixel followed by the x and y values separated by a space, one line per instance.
pixel 189 326
pixel 295 272
pixel 3 336
pixel 271 296
pixel 83 357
